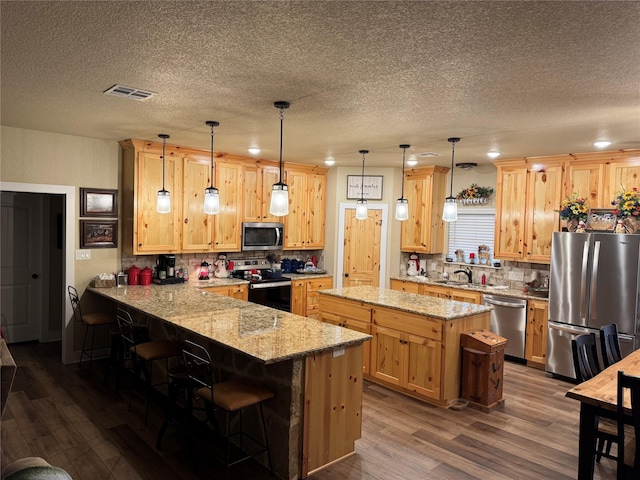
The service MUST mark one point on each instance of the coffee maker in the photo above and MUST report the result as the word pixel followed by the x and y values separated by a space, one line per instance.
pixel 166 266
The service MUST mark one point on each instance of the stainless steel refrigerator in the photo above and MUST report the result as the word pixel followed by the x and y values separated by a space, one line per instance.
pixel 594 280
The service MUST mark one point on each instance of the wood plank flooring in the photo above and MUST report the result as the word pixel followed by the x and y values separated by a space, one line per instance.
pixel 74 421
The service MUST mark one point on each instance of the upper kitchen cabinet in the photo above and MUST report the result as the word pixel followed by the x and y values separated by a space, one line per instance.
pixel 425 189
pixel 529 192
pixel 196 225
pixel 258 180
pixel 144 230
pixel 227 224
pixel 304 226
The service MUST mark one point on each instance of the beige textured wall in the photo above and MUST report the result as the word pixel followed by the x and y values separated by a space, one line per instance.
pixel 30 156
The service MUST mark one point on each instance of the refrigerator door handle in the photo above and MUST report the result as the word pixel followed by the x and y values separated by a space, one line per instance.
pixel 565 329
pixel 624 336
pixel 594 281
pixel 583 281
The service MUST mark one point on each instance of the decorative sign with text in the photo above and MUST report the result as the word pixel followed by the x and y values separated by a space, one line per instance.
pixel 371 189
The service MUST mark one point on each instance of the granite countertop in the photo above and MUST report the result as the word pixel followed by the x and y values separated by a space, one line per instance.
pixel 409 302
pixel 217 282
pixel 489 289
pixel 264 333
pixel 306 276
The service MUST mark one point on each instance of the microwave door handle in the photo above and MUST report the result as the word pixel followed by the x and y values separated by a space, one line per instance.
pixel 583 281
pixel 594 280
pixel 277 236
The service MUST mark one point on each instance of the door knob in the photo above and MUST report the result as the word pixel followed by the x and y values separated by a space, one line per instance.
pixel 34 276
pixel 346 274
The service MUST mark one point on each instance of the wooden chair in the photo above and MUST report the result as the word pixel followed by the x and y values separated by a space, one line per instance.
pixel 144 354
pixel 90 321
pixel 628 449
pixel 232 396
pixel 586 365
pixel 610 345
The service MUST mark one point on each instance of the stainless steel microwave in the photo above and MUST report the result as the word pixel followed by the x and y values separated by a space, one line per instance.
pixel 262 236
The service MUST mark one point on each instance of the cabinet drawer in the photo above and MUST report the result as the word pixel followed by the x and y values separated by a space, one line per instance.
pixel 404 286
pixel 319 284
pixel 345 308
pixel 408 322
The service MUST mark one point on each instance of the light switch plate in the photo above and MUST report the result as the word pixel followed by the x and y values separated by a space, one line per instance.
pixel 517 276
pixel 83 254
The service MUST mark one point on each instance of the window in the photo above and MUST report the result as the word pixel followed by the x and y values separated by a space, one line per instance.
pixel 475 226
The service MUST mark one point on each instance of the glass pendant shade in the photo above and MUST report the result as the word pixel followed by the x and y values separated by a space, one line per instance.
pixel 279 200
pixel 211 195
pixel 450 211
pixel 163 204
pixel 402 209
pixel 279 206
pixel 361 209
pixel 211 201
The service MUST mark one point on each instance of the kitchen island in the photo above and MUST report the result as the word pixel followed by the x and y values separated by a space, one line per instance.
pixel 312 368
pixel 416 338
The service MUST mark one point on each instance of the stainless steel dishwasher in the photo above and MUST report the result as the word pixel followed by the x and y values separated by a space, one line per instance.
pixel 509 320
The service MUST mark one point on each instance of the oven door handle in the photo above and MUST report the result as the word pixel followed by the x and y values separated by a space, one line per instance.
pixel 255 286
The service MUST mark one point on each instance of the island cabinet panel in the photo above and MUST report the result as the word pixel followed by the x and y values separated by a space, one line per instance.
pixel 332 407
pixel 536 333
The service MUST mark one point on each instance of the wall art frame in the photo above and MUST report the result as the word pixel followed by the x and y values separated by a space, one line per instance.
pixel 98 233
pixel 98 202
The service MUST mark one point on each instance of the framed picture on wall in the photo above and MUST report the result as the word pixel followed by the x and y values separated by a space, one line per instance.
pixel 98 234
pixel 98 202
pixel 371 190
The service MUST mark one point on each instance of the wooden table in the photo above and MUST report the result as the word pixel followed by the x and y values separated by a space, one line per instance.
pixel 598 397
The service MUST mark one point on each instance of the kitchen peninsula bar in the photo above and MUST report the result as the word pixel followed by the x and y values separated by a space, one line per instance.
pixel 416 338
pixel 314 369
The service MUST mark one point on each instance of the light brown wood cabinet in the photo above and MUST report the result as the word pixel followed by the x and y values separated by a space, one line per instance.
pixel 196 225
pixel 304 226
pixel 528 194
pixel 241 292
pixel 438 291
pixel 425 189
pixel 348 314
pixel 305 296
pixel 536 333
pixel 227 225
pixel 258 182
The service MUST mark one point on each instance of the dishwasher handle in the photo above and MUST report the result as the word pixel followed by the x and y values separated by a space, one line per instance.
pixel 504 304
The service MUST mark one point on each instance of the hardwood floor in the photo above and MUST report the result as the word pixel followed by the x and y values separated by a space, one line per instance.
pixel 75 422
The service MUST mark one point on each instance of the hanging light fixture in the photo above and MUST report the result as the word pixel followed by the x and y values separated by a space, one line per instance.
pixel 211 196
pixel 361 205
pixel 280 191
pixel 163 204
pixel 450 211
pixel 402 206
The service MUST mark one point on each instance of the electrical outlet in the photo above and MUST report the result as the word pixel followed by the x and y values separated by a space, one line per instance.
pixel 517 276
pixel 433 267
pixel 83 254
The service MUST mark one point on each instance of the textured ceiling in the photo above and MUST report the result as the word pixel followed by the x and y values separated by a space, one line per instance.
pixel 525 78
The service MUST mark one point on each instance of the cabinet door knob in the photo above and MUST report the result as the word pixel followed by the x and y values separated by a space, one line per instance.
pixel 186 220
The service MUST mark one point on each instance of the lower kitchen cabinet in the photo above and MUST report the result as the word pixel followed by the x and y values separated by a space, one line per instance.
pixel 241 292
pixel 406 286
pixel 448 293
pixel 348 314
pixel 536 340
pixel 305 296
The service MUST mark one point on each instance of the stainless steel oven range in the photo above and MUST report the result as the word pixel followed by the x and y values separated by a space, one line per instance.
pixel 266 286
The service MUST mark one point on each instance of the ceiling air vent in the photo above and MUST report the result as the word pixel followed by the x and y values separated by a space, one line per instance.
pixel 128 92
pixel 428 154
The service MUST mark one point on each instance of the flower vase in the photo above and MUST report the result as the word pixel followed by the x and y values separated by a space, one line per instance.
pixel 572 224
pixel 631 224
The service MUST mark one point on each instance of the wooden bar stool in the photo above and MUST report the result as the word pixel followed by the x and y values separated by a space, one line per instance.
pixel 232 396
pixel 90 321
pixel 144 354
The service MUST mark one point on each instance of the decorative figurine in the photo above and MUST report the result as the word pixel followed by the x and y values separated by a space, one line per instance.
pixel 581 227
pixel 221 267
pixel 620 228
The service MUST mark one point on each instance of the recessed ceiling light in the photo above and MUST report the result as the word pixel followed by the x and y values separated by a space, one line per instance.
pixel 254 150
pixel 329 161
pixel 493 154
pixel 601 144
pixel 412 162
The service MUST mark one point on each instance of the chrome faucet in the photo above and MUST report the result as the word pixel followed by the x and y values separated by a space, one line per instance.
pixel 467 272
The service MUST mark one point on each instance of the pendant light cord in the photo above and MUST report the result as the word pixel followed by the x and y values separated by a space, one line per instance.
pixel 362 180
pixel 211 182
pixel 453 147
pixel 281 129
pixel 164 143
pixel 403 154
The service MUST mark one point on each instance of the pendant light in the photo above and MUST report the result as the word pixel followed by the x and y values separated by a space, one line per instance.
pixel 163 204
pixel 450 211
pixel 361 205
pixel 402 205
pixel 280 191
pixel 211 196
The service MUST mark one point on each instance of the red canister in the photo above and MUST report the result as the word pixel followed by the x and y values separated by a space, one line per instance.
pixel 134 275
pixel 145 276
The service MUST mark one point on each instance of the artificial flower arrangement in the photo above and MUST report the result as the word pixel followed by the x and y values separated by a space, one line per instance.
pixel 475 194
pixel 627 203
pixel 573 207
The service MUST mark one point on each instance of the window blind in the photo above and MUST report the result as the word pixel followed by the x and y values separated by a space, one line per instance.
pixel 475 226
